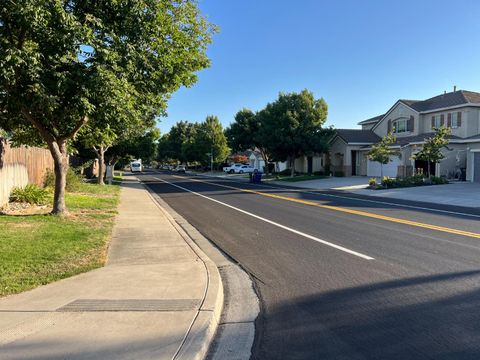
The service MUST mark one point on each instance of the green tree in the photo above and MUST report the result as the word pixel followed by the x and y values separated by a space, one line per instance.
pixel 290 125
pixel 382 151
pixel 432 148
pixel 210 142
pixel 143 146
pixel 57 57
pixel 244 134
pixel 175 142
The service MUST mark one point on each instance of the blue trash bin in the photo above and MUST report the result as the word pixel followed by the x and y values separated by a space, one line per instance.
pixel 257 177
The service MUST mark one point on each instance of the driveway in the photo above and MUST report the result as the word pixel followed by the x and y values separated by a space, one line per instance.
pixel 459 194
pixel 337 183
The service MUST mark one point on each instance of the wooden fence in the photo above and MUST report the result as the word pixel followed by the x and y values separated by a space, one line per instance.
pixel 22 165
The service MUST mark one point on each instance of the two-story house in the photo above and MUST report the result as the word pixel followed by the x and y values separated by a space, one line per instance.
pixel 412 122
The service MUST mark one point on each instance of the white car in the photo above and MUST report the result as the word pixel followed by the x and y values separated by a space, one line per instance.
pixel 239 169
pixel 231 169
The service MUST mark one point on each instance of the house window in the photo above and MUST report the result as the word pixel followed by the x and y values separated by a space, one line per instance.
pixel 437 121
pixel 455 122
pixel 400 126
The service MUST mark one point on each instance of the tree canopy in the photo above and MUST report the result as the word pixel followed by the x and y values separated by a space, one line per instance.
pixel 64 62
pixel 292 126
pixel 432 148
pixel 210 139
pixel 382 151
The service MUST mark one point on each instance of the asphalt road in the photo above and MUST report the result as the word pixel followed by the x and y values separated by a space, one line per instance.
pixel 343 278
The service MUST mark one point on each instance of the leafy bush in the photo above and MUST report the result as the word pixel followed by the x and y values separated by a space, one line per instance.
pixel 387 181
pixel 438 180
pixel 73 179
pixel 372 182
pixel 318 173
pixel 339 174
pixel 415 180
pixel 31 194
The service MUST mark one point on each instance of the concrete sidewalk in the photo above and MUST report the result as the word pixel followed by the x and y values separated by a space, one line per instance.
pixel 465 194
pixel 158 297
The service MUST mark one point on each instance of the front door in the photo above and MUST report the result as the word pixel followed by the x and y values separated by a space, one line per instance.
pixel 354 162
pixel 476 167
pixel 309 164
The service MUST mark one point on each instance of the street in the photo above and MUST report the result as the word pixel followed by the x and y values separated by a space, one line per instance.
pixel 341 277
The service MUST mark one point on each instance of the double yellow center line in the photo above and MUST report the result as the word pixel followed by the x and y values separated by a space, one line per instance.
pixel 348 211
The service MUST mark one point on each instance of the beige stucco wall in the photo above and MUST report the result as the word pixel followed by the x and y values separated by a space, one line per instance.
pixel 11 176
pixel 398 112
pixel 470 121
pixel 301 164
pixel 455 156
pixel 337 147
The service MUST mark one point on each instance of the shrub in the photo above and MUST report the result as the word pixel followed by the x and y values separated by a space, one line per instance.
pixel 437 180
pixel 388 181
pixel 372 182
pixel 339 174
pixel 31 194
pixel 73 179
pixel 318 173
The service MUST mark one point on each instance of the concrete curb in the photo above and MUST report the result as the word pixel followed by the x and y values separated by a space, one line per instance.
pixel 203 328
pixel 224 332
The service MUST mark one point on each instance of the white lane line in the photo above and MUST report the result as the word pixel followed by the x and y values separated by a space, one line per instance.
pixel 300 190
pixel 338 247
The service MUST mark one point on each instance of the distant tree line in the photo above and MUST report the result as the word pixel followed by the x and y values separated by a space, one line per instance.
pixel 285 129
pixel 189 143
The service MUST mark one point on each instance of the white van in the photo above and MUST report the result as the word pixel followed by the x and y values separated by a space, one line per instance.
pixel 136 166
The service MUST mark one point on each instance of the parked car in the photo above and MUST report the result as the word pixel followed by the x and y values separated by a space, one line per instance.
pixel 246 169
pixel 238 169
pixel 233 169
pixel 180 169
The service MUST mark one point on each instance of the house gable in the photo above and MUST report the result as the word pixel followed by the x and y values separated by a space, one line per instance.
pixel 400 111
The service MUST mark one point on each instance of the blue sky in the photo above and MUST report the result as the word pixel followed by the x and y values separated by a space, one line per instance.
pixel 360 56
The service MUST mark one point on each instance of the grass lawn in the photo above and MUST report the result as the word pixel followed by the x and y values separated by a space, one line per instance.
pixel 39 249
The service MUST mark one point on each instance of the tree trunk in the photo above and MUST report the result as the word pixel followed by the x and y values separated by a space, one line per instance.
pixel 101 165
pixel 265 160
pixel 292 166
pixel 60 159
pixel 429 169
pixel 100 152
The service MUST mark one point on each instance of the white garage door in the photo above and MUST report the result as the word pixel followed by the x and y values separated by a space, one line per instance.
pixel 390 169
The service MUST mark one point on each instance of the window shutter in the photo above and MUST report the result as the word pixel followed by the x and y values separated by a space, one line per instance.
pixel 449 120
pixel 433 121
pixel 459 119
pixel 389 125
pixel 410 123
pixel 442 120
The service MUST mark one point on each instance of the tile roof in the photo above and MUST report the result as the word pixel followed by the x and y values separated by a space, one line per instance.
pixel 460 97
pixel 357 136
pixel 371 120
